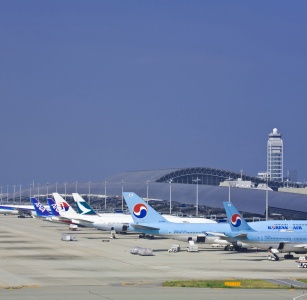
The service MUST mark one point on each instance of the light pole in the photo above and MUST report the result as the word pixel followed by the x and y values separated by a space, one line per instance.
pixel 14 186
pixel 30 190
pixel 122 195
pixel 1 194
pixel 89 192
pixel 7 194
pixel 105 195
pixel 147 189
pixel 267 197
pixel 38 191
pixel 170 196
pixel 56 187
pixel 20 193
pixel 65 183
pixel 47 189
pixel 76 186
pixel 196 180
pixel 229 188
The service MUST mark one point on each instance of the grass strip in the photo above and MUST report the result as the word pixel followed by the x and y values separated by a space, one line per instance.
pixel 244 284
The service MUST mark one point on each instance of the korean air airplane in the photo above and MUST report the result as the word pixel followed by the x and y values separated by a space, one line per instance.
pixel 117 220
pixel 275 241
pixel 147 220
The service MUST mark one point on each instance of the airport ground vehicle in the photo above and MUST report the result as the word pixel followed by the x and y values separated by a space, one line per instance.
pixel 302 262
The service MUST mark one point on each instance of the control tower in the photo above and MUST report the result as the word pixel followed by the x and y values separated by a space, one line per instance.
pixel 275 156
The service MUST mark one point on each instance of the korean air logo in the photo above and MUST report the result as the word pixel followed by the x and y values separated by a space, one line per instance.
pixel 140 211
pixel 63 206
pixel 236 220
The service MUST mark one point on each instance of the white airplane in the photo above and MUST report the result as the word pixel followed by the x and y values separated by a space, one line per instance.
pixel 107 222
pixel 20 210
pixel 118 218
pixel 44 214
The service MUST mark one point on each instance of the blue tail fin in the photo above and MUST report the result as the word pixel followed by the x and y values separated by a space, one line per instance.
pixel 83 207
pixel 141 211
pixel 40 210
pixel 53 207
pixel 235 220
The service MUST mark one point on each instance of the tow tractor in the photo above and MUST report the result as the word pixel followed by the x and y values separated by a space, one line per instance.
pixel 302 262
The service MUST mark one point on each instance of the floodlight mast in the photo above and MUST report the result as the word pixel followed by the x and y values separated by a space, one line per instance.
pixel 170 196
pixel 196 180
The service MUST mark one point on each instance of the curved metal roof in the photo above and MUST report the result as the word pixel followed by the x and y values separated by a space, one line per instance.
pixel 156 183
pixel 213 176
pixel 246 200
pixel 140 176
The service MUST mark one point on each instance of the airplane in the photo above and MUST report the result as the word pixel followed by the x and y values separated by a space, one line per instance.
pixel 40 210
pixel 43 213
pixel 87 217
pixel 275 241
pixel 147 220
pixel 85 209
pixel 109 222
pixel 53 207
pixel 15 209
pixel 8 210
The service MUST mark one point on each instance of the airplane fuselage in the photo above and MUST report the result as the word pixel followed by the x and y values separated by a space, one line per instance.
pixel 283 241
pixel 198 232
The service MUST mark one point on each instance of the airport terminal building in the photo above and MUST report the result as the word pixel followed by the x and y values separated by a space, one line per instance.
pixel 188 186
pixel 184 188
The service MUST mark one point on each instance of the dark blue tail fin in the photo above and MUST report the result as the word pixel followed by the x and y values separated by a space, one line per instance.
pixel 53 207
pixel 40 210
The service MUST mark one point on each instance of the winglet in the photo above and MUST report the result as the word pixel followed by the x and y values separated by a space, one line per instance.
pixel 141 211
pixel 234 218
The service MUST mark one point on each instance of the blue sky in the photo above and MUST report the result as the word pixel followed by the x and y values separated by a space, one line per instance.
pixel 93 88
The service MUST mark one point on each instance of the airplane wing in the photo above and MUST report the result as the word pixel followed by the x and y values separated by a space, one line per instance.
pixel 82 222
pixel 301 246
pixel 218 234
pixel 144 227
pixel 24 211
pixel 240 236
pixel 221 235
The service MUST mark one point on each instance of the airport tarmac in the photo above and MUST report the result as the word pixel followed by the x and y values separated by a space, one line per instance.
pixel 36 264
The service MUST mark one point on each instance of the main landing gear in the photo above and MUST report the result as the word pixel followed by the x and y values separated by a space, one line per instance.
pixel 146 236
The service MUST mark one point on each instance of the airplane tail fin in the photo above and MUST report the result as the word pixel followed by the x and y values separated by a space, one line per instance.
pixel 236 221
pixel 83 207
pixel 141 211
pixel 40 210
pixel 53 207
pixel 65 210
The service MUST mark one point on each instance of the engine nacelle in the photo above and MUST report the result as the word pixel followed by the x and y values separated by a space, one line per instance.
pixel 241 245
pixel 119 228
